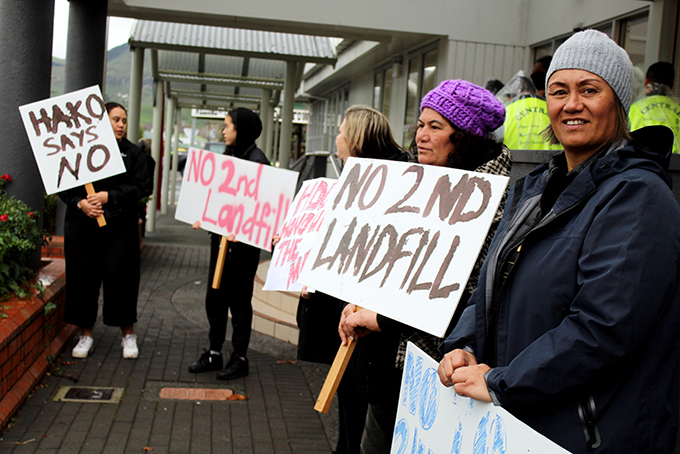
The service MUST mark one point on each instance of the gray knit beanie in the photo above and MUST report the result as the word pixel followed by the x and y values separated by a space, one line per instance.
pixel 595 52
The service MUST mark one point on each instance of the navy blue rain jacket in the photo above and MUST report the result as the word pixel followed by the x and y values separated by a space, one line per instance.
pixel 582 337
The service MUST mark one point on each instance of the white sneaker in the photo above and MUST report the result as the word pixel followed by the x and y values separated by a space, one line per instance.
pixel 83 348
pixel 129 344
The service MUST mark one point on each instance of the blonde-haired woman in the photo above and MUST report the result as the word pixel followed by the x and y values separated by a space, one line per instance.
pixel 364 133
pixel 367 133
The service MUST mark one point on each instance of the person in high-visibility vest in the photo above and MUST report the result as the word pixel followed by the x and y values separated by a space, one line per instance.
pixel 525 119
pixel 658 107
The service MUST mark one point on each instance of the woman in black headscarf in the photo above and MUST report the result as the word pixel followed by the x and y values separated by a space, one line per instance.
pixel 241 127
pixel 106 256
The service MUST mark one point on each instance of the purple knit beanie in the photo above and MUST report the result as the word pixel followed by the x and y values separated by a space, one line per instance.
pixel 468 107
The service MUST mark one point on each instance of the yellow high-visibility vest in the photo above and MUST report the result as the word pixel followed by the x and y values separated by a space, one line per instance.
pixel 657 110
pixel 525 119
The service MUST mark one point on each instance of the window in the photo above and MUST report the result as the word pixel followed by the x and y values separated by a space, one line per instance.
pixel 422 77
pixel 382 90
pixel 630 32
pixel 338 104
pixel 412 90
pixel 634 39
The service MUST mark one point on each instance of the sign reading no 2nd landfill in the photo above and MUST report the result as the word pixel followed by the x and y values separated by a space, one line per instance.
pixel 401 239
pixel 433 418
pixel 230 195
pixel 72 139
pixel 298 232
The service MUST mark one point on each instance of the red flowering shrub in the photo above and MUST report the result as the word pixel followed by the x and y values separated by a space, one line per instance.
pixel 19 238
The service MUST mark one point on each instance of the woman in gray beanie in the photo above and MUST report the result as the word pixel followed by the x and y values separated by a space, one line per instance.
pixel 573 326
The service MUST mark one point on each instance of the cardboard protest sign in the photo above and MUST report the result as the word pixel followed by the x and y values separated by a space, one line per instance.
pixel 72 139
pixel 230 195
pixel 401 239
pixel 298 232
pixel 433 418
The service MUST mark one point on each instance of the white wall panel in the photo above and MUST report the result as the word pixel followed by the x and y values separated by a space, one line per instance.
pixel 477 61
pixel 547 19
pixel 361 90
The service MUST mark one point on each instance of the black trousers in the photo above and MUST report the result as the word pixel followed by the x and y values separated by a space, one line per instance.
pixel 106 255
pixel 352 410
pixel 235 294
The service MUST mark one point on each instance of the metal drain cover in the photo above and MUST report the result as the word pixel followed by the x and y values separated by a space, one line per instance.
pixel 89 394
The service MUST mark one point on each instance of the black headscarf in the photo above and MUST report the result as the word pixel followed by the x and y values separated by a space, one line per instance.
pixel 248 128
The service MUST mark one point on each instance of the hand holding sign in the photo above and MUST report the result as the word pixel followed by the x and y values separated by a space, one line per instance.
pixel 355 324
pixel 92 205
pixel 433 418
pixel 460 370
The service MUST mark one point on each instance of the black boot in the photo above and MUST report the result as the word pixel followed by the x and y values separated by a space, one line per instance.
pixel 207 362
pixel 235 368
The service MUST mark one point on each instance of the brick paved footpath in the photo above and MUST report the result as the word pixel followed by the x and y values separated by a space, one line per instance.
pixel 278 416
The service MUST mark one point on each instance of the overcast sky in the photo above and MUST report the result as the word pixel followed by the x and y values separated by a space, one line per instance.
pixel 119 30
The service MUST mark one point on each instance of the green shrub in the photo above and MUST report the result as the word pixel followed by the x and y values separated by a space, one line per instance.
pixel 19 238
pixel 50 214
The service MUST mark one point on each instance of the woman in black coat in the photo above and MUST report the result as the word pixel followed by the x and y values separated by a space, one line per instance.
pixel 107 255
pixel 241 127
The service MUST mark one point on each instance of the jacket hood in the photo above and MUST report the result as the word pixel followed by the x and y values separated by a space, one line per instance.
pixel 650 149
pixel 656 142
pixel 248 129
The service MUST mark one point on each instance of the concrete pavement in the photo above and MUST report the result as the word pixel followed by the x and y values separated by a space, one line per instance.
pixel 277 417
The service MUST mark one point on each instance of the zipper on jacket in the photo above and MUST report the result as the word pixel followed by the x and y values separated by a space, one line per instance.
pixel 492 322
pixel 496 308
pixel 588 415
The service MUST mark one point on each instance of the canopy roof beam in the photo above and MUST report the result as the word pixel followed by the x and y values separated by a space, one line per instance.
pixel 233 53
pixel 221 79
pixel 215 96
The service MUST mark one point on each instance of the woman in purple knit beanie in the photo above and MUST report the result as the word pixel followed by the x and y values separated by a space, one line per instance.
pixel 469 114
pixel 454 130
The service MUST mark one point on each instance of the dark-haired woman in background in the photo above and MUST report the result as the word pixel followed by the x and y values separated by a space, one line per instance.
pixel 241 127
pixel 454 130
pixel 107 255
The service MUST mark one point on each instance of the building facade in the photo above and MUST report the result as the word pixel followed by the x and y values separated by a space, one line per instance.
pixel 479 43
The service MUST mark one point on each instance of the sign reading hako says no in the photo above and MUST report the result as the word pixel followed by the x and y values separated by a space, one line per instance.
pixel 401 239
pixel 72 139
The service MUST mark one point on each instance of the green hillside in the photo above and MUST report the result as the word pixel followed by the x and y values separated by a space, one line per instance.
pixel 118 67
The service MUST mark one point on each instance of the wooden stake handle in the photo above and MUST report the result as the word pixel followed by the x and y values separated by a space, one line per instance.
pixel 330 386
pixel 219 266
pixel 90 190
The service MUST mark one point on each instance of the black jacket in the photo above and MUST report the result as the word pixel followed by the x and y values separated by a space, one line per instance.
pixel 124 189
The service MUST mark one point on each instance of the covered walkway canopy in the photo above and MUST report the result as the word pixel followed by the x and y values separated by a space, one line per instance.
pixel 220 68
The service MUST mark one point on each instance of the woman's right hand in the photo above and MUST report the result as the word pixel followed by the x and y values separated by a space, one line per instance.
pixel 452 361
pixel 346 312
pixel 92 210
pixel 196 225
pixel 460 369
pixel 304 293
